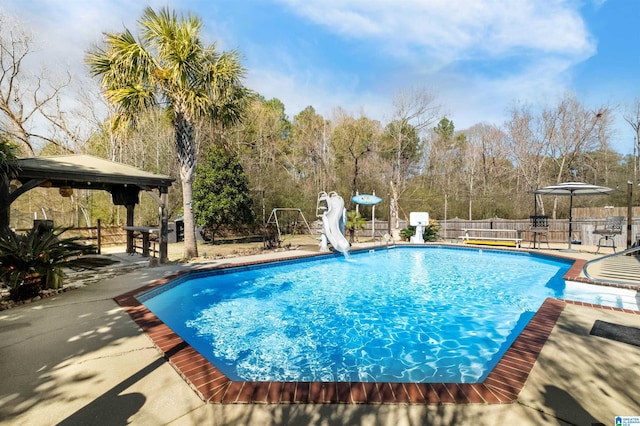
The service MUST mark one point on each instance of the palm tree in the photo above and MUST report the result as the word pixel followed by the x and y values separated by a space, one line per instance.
pixel 170 67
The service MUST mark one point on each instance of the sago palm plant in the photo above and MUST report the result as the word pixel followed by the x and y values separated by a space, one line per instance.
pixel 34 260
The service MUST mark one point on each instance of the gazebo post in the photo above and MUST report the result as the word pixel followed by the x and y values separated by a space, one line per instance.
pixel 5 205
pixel 130 208
pixel 164 225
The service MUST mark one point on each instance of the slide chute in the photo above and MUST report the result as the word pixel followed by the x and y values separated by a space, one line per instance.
pixel 333 221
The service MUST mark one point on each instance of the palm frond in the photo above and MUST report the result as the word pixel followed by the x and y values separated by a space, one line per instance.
pixel 176 40
pixel 170 66
pixel 132 98
pixel 8 160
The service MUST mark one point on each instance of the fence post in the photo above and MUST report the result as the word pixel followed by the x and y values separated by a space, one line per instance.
pixel 99 237
pixel 629 211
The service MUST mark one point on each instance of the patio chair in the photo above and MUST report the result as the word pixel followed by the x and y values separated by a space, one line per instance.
pixel 539 228
pixel 612 227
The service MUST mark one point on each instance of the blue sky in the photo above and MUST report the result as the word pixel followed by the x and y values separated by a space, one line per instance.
pixel 477 57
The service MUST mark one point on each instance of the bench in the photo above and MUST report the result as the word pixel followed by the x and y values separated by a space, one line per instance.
pixel 498 237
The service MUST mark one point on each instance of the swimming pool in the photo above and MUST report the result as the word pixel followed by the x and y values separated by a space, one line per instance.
pixel 428 314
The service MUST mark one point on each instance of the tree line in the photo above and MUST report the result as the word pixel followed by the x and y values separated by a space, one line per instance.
pixel 169 103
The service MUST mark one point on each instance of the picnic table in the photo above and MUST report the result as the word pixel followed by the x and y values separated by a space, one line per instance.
pixel 144 235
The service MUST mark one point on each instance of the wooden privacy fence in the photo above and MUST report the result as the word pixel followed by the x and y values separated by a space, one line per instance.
pixel 582 229
pixel 98 235
pixel 381 228
pixel 451 229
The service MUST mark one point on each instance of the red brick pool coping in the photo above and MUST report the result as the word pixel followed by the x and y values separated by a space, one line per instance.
pixel 502 386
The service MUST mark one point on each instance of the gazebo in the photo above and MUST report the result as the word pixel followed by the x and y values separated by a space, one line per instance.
pixel 69 172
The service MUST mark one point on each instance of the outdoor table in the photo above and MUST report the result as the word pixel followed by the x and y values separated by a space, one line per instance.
pixel 145 232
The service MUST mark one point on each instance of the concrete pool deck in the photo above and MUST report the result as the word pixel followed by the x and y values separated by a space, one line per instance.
pixel 78 358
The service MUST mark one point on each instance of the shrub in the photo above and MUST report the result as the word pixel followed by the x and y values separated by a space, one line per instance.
pixel 221 195
pixel 430 232
pixel 34 260
pixel 355 222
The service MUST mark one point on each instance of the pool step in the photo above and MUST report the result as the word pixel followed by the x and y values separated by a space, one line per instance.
pixel 619 269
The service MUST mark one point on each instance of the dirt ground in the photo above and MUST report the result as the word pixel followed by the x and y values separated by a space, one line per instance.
pixel 230 248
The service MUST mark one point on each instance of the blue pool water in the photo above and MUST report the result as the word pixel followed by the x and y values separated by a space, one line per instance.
pixel 401 315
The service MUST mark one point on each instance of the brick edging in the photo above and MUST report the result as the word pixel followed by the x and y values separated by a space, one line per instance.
pixel 502 385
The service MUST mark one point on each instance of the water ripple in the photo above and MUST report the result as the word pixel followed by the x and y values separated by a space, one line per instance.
pixel 396 315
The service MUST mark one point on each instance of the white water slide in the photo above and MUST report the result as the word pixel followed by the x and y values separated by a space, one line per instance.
pixel 331 221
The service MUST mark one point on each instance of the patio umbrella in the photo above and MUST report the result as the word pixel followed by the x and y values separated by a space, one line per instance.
pixel 571 189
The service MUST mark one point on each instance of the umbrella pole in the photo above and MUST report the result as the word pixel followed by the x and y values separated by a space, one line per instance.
pixel 535 213
pixel 535 204
pixel 570 218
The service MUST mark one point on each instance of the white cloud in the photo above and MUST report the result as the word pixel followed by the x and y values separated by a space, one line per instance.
pixel 528 48
pixel 448 29
pixel 452 46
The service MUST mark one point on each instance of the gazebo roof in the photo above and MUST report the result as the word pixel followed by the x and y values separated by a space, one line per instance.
pixel 88 172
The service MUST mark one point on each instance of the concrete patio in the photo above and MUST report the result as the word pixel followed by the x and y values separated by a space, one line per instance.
pixel 78 359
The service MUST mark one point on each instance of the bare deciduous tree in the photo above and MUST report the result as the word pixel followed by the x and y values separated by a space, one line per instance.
pixel 632 116
pixel 352 140
pixel 30 103
pixel 575 132
pixel 415 111
pixel 529 138
pixel 416 106
pixel 489 173
pixel 309 131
